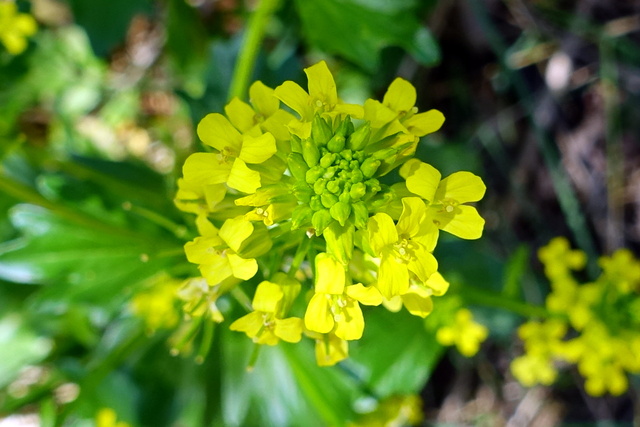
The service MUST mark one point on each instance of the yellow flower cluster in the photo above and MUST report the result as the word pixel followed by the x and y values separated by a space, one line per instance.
pixel 596 327
pixel 15 27
pixel 284 198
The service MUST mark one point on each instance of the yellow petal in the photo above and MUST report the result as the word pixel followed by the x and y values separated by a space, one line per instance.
pixel 235 231
pixel 351 323
pixel 289 330
pixel 25 24
pixel 257 150
pixel 331 350
pixel 418 302
pixel 381 232
pixel 242 178
pixel 240 114
pixel 215 130
pixel 267 297
pixel 205 168
pixel 413 212
pixel 464 221
pixel 263 99
pixel 249 324
pixel 217 271
pixel 367 295
pixel 423 264
pixel 401 95
pixel 377 114
pixel 393 277
pixel 424 123
pixel 462 187
pixel 277 124
pixel 242 268
pixel 199 251
pixel 295 97
pixel 318 316
pixel 330 275
pixel 437 284
pixel 321 85
pixel 422 178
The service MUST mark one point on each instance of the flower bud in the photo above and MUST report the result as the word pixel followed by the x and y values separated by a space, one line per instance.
pixel 313 174
pixel 340 212
pixel 297 166
pixel 357 191
pixel 361 214
pixel 319 186
pixel 328 159
pixel 321 220
pixel 336 143
pixel 310 152
pixel 301 216
pixel 302 192
pixel 328 199
pixel 359 139
pixel 334 186
pixel 320 130
pixel 369 167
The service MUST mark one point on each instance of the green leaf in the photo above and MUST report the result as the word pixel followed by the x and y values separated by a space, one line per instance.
pixel 285 388
pixel 396 354
pixel 76 261
pixel 359 31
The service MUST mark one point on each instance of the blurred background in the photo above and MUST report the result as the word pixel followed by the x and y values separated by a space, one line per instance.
pixel 98 112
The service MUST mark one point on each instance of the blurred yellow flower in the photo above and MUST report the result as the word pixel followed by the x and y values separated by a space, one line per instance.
pixel 464 333
pixel 15 27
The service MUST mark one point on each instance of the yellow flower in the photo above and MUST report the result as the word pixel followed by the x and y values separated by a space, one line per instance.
pixel 330 349
pixel 322 98
pixel 107 417
pixel 403 248
pixel 534 368
pixel 334 306
pixel 623 270
pixel 559 259
pixel 265 324
pixel 397 111
pixel 235 151
pixel 156 305
pixel 15 27
pixel 447 197
pixel 393 411
pixel 466 334
pixel 264 116
pixel 417 299
pixel 200 298
pixel 224 253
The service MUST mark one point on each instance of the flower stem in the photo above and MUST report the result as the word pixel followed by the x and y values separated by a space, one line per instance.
pixel 253 36
pixel 493 299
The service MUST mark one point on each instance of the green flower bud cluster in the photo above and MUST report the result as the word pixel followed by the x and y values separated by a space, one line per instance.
pixel 334 175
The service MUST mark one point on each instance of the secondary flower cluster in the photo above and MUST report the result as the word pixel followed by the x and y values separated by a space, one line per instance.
pixel 286 200
pixel 596 325
pixel 15 27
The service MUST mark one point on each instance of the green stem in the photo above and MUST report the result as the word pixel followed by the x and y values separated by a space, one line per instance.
pixel 301 253
pixel 253 37
pixel 492 299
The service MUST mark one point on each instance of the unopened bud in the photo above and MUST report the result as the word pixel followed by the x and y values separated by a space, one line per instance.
pixel 297 166
pixel 320 130
pixel 310 152
pixel 340 212
pixel 359 139
pixel 313 174
pixel 301 216
pixel 328 199
pixel 361 214
pixel 369 167
pixel 321 220
pixel 357 190
pixel 336 143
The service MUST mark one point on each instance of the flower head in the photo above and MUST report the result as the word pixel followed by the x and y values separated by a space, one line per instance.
pixel 15 27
